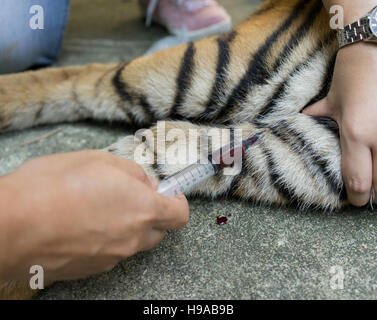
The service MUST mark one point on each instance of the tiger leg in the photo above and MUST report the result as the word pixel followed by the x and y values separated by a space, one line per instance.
pixel 274 171
pixel 140 92
pixel 297 161
pixel 57 95
pixel 202 81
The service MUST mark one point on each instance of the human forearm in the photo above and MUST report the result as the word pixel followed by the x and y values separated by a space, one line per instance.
pixel 9 211
pixel 351 103
pixel 78 214
pixel 353 10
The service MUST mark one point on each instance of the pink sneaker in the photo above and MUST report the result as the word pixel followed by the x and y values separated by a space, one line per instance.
pixel 192 19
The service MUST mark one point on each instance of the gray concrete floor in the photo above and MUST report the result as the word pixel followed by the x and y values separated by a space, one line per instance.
pixel 262 253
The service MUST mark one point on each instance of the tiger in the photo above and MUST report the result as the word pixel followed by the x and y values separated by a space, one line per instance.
pixel 257 78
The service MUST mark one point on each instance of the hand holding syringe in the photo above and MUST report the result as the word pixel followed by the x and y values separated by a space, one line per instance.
pixel 188 178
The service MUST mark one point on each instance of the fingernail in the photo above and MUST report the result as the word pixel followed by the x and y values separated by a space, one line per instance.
pixel 154 182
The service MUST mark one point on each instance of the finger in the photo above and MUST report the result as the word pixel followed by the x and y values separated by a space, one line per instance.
pixel 318 109
pixel 374 170
pixel 152 239
pixel 141 240
pixel 172 213
pixel 137 172
pixel 357 172
pixel 133 169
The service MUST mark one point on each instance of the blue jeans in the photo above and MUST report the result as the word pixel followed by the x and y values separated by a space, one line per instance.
pixel 31 32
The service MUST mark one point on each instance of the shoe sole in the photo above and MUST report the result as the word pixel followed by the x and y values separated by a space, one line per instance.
pixel 219 28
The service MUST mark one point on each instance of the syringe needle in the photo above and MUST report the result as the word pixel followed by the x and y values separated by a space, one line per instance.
pixel 188 178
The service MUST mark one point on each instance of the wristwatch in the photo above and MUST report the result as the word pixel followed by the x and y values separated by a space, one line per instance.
pixel 364 29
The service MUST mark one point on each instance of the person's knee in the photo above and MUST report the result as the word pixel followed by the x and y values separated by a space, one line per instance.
pixel 17 55
pixel 22 45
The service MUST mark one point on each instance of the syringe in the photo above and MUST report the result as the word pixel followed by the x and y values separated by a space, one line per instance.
pixel 186 179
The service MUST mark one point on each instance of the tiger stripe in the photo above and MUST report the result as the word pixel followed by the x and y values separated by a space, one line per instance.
pixel 276 179
pixel 326 82
pixel 256 72
pixel 150 117
pixel 284 86
pixel 313 162
pixel 223 61
pixel 183 79
pixel 121 86
pixel 297 36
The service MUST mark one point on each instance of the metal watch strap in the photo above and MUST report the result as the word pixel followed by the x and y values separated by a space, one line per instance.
pixel 354 32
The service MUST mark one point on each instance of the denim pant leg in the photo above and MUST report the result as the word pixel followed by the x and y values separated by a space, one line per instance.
pixel 22 42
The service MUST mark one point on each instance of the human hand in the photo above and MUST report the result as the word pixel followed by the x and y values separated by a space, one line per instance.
pixel 78 214
pixel 352 103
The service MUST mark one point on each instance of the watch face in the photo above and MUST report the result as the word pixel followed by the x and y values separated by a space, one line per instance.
pixel 373 22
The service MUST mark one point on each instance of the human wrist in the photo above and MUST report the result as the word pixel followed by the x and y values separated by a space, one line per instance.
pixel 359 54
pixel 8 215
pixel 15 225
pixel 353 10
